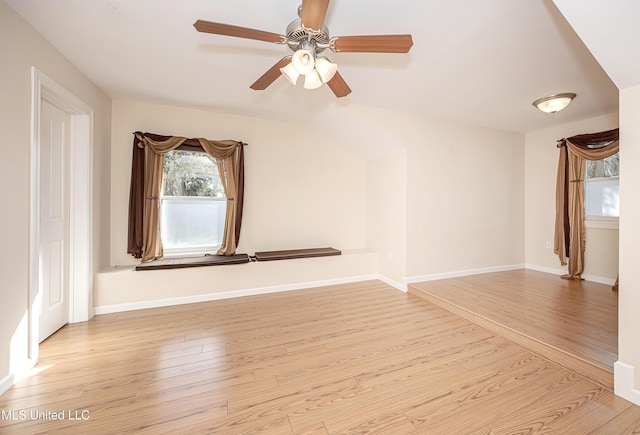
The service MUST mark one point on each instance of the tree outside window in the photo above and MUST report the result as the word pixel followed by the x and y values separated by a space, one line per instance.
pixel 193 204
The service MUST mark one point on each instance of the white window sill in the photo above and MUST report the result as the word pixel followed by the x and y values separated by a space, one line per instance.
pixel 604 222
pixel 190 252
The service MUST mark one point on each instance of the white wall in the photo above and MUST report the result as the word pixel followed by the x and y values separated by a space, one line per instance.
pixel 450 196
pixel 387 214
pixel 627 375
pixel 302 190
pixel 541 166
pixel 445 198
pixel 20 49
pixel 464 194
pixel 465 198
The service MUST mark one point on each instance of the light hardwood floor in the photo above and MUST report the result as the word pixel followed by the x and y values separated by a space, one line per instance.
pixel 356 358
pixel 574 323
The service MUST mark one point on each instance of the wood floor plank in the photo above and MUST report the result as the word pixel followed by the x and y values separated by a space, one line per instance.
pixel 627 422
pixel 537 416
pixel 392 397
pixel 588 418
pixel 352 358
pixel 574 323
pixel 485 402
pixel 472 416
pixel 543 306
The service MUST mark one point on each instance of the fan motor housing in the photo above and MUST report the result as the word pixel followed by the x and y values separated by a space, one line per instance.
pixel 296 32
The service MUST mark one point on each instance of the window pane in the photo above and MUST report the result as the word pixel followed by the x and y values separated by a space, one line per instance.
pixel 190 173
pixel 192 223
pixel 602 198
pixel 609 167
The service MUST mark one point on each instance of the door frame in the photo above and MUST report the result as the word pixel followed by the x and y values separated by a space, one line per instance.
pixel 80 204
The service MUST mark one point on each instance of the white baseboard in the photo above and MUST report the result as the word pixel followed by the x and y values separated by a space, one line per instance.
pixel 23 371
pixel 6 383
pixel 459 273
pixel 106 309
pixel 624 382
pixel 560 271
pixel 552 270
pixel 599 279
pixel 392 283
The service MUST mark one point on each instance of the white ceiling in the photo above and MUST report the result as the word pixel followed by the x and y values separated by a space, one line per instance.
pixel 478 62
pixel 611 31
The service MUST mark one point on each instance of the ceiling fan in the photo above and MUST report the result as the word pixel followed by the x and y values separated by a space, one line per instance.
pixel 307 36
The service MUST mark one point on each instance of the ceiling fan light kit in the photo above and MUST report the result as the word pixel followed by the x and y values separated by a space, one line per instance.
pixel 312 80
pixel 306 37
pixel 304 59
pixel 554 103
pixel 326 69
pixel 290 73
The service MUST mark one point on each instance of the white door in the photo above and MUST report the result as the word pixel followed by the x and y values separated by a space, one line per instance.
pixel 54 218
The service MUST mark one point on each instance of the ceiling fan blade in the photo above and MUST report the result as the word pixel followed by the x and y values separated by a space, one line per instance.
pixel 374 44
pixel 313 13
pixel 339 87
pixel 239 32
pixel 271 75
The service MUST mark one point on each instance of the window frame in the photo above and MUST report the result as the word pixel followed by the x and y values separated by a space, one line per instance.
pixel 188 251
pixel 595 221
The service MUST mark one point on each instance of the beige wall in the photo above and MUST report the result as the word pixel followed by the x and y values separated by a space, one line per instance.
pixel 386 214
pixel 464 197
pixel 629 298
pixel 20 49
pixel 451 201
pixel 465 204
pixel 121 289
pixel 302 189
pixel 445 198
pixel 541 165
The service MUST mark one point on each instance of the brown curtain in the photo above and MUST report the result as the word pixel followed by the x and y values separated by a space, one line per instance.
pixel 569 236
pixel 230 159
pixel 136 200
pixel 146 181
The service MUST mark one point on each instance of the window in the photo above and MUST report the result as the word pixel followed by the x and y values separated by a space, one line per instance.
pixel 192 203
pixel 602 192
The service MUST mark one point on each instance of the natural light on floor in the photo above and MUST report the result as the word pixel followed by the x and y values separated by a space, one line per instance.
pixel 19 365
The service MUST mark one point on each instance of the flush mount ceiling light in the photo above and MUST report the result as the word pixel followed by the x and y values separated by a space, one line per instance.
pixel 554 103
